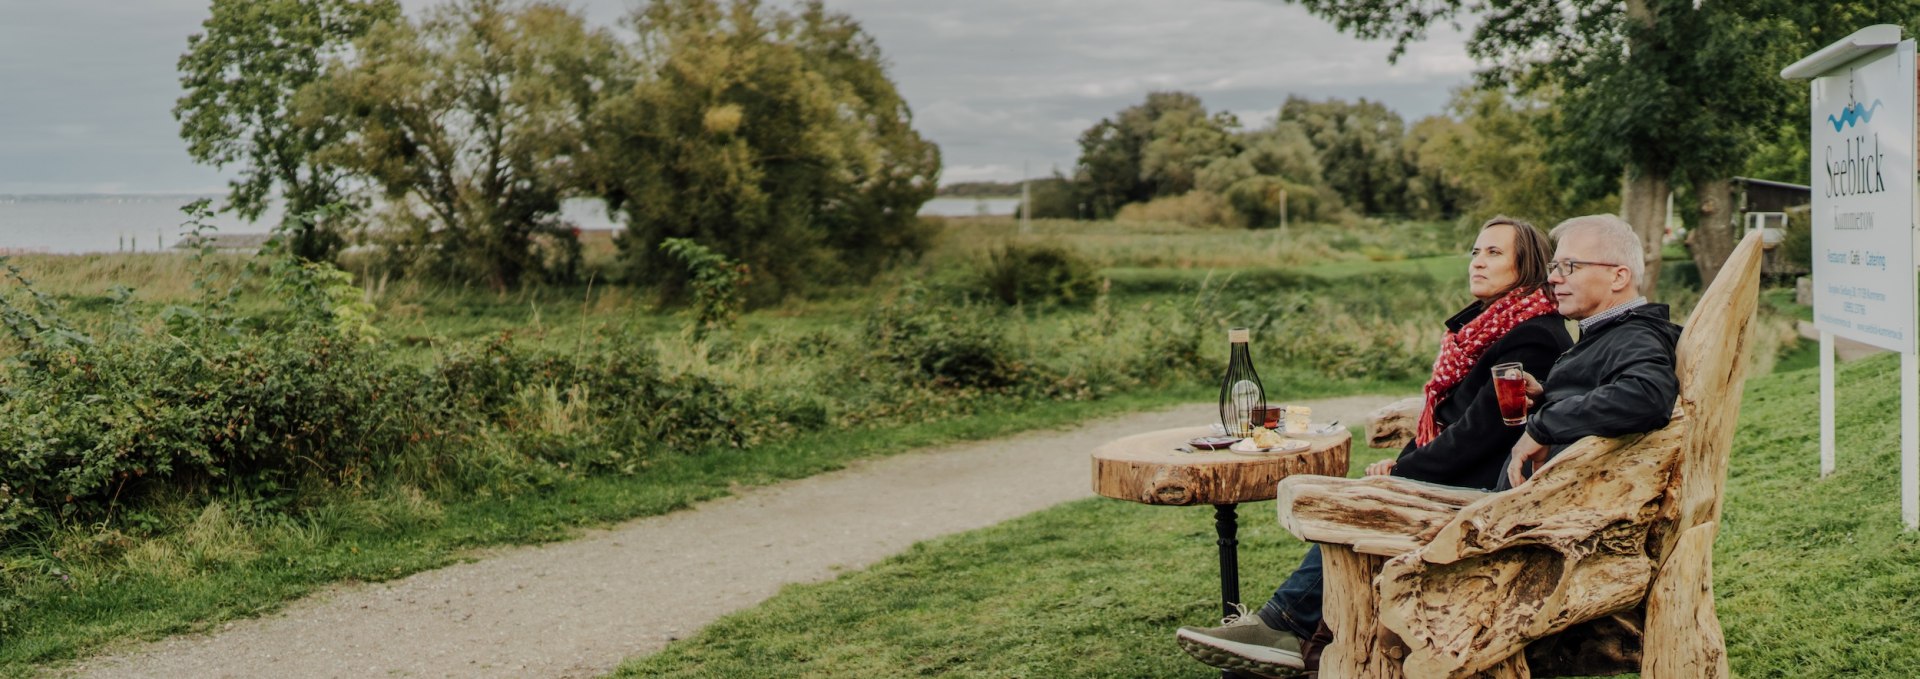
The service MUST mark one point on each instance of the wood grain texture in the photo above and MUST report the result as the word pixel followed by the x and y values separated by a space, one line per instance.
pixel 1392 425
pixel 1378 515
pixel 1147 468
pixel 1683 636
pixel 1361 649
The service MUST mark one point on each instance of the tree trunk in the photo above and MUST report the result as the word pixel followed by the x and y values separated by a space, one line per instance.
pixel 1643 203
pixel 1714 233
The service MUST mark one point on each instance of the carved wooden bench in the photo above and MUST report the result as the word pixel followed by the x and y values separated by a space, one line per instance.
pixel 1601 563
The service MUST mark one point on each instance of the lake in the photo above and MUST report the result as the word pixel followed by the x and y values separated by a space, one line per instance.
pixel 68 224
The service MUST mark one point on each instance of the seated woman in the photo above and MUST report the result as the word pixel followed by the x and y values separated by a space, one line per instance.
pixel 1461 439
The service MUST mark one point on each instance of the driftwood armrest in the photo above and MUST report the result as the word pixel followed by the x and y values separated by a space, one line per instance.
pixel 1379 515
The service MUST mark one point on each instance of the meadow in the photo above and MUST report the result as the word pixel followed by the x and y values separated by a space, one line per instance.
pixel 232 433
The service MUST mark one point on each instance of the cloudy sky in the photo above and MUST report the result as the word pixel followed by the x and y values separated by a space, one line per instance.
pixel 87 86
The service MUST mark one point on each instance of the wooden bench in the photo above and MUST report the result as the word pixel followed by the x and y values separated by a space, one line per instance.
pixel 1601 563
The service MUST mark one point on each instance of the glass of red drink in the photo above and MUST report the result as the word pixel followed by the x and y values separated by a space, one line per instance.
pixel 1510 386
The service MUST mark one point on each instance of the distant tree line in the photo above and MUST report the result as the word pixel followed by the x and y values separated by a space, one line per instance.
pixel 980 189
pixel 450 140
pixel 1169 157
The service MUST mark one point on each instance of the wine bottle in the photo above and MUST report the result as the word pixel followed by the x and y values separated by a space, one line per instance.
pixel 1242 400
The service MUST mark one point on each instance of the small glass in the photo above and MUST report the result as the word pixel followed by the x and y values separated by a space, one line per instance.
pixel 1269 415
pixel 1510 387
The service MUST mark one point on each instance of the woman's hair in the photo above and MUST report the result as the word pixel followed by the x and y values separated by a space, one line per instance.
pixel 1531 251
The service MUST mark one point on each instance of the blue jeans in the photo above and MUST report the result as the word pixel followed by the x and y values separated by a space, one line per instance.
pixel 1295 607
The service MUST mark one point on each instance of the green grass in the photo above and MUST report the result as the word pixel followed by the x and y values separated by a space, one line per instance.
pixel 231 564
pixel 1814 578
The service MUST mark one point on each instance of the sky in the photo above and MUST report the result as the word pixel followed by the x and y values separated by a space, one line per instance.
pixel 87 86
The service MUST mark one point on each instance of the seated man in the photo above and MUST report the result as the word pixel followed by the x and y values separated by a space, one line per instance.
pixel 1617 379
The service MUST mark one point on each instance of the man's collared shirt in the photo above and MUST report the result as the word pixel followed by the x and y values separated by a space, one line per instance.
pixel 1590 322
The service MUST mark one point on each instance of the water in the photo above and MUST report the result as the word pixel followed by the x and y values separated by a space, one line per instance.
pixel 147 223
pixel 70 224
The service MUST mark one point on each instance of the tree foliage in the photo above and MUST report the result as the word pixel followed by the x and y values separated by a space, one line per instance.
pixel 1113 168
pixel 241 76
pixel 1493 147
pixel 1655 92
pixel 471 121
pixel 773 137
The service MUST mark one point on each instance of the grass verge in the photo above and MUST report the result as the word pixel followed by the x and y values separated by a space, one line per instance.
pixel 1813 577
pixel 233 567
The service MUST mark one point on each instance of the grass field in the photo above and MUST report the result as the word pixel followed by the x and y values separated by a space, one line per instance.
pixel 1331 316
pixel 1814 577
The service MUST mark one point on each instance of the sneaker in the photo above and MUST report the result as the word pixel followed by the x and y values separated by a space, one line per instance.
pixel 1243 643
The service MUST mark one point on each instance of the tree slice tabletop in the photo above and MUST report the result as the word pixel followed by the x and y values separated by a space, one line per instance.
pixel 1148 468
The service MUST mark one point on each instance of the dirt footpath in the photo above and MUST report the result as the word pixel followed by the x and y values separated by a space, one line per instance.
pixel 578 608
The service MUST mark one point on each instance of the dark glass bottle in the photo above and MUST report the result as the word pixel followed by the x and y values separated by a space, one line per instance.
pixel 1243 402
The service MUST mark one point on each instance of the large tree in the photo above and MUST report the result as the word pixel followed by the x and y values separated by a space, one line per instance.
pixel 471 121
pixel 773 137
pixel 1113 167
pixel 1656 89
pixel 240 77
pixel 1359 149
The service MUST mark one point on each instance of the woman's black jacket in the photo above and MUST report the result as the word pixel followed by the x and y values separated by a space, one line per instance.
pixel 1471 450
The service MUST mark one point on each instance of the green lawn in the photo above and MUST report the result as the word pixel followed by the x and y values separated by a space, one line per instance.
pixel 1815 578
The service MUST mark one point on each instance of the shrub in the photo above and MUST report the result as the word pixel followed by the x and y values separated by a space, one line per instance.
pixel 942 345
pixel 1038 274
pixel 1193 208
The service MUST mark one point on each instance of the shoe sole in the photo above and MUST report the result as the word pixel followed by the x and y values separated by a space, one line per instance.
pixel 1265 661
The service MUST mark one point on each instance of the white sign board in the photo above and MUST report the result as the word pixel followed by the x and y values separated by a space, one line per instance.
pixel 1863 183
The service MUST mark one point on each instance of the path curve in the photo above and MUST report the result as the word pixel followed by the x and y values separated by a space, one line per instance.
pixel 580 607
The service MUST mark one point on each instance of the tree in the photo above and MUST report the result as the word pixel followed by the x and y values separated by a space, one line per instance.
pixel 1112 170
pixel 1656 92
pixel 1359 150
pixel 1274 164
pixel 471 121
pixel 774 138
pixel 1497 154
pixel 241 76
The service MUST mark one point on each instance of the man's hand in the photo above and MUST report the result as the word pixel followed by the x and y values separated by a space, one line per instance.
pixel 1381 468
pixel 1534 390
pixel 1526 450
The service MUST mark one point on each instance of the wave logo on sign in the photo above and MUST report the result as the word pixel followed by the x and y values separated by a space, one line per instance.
pixel 1855 111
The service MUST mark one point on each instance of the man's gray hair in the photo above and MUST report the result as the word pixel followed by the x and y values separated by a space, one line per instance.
pixel 1618 243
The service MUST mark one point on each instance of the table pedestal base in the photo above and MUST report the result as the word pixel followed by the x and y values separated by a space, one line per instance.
pixel 1226 528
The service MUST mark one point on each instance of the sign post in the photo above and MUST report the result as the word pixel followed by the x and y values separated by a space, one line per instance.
pixel 1863 220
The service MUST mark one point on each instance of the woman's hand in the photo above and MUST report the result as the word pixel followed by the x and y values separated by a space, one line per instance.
pixel 1381 468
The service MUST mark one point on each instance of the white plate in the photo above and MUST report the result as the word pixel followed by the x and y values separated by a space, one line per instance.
pixel 1246 447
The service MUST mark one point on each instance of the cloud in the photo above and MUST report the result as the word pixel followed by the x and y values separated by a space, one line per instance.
pixel 91 83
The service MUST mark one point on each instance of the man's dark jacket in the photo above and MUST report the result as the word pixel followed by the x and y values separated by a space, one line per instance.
pixel 1471 450
pixel 1618 379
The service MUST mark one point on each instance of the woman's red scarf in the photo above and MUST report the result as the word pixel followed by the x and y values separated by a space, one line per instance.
pixel 1459 351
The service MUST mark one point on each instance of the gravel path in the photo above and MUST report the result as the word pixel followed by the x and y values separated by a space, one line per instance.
pixel 577 608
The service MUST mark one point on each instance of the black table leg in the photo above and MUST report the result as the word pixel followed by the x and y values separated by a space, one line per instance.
pixel 1226 525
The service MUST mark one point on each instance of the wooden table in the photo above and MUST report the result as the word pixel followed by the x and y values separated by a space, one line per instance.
pixel 1149 469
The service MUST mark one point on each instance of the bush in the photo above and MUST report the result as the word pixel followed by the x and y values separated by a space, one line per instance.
pixel 942 345
pixel 1193 208
pixel 1038 274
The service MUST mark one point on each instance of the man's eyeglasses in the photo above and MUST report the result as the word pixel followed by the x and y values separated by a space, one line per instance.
pixel 1566 267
